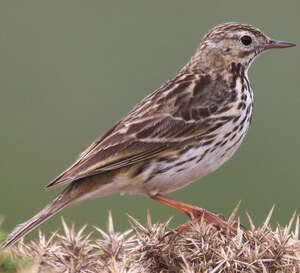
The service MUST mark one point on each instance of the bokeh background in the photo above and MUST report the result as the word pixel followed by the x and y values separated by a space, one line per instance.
pixel 70 69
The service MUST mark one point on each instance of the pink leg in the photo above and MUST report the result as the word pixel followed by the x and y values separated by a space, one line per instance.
pixel 195 213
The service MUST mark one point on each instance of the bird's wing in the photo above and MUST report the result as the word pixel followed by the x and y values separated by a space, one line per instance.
pixel 126 145
pixel 170 116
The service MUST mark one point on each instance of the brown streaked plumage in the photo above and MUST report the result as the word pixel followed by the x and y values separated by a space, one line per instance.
pixel 182 131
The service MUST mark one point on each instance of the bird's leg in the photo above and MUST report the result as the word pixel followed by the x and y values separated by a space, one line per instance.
pixel 195 213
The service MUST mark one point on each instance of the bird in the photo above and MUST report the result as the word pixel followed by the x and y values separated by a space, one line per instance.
pixel 182 131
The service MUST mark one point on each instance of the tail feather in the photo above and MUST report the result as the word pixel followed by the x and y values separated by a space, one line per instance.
pixel 21 230
pixel 76 192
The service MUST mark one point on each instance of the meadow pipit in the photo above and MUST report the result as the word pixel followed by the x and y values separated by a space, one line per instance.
pixel 182 131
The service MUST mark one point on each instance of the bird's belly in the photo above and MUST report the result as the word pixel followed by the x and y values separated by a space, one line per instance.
pixel 181 174
pixel 190 166
pixel 198 161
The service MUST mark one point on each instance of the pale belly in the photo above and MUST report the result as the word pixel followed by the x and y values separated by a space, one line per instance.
pixel 198 161
pixel 192 165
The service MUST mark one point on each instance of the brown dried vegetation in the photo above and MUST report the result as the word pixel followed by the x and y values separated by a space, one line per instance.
pixel 146 248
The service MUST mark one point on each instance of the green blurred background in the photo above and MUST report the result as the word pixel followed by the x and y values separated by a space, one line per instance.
pixel 70 69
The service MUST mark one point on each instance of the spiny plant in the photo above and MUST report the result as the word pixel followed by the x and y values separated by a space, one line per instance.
pixel 147 248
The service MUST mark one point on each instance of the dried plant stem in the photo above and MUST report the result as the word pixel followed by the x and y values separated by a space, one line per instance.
pixel 145 248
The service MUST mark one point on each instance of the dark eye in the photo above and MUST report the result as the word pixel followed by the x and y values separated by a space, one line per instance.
pixel 246 40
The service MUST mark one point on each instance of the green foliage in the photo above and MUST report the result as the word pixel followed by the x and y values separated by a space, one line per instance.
pixel 9 263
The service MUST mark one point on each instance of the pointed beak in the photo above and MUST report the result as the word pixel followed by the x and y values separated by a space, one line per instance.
pixel 277 44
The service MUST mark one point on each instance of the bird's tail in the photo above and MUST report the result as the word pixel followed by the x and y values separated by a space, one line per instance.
pixel 59 203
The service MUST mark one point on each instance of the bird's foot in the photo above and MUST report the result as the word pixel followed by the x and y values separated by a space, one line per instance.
pixel 219 224
pixel 197 215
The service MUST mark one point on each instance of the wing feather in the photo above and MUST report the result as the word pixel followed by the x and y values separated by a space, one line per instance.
pixel 163 120
pixel 121 149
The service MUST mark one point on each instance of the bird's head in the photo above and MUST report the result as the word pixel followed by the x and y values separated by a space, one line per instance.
pixel 236 42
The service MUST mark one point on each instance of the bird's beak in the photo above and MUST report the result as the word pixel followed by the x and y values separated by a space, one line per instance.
pixel 277 44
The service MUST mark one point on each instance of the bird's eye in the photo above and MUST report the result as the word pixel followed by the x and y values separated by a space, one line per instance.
pixel 246 40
